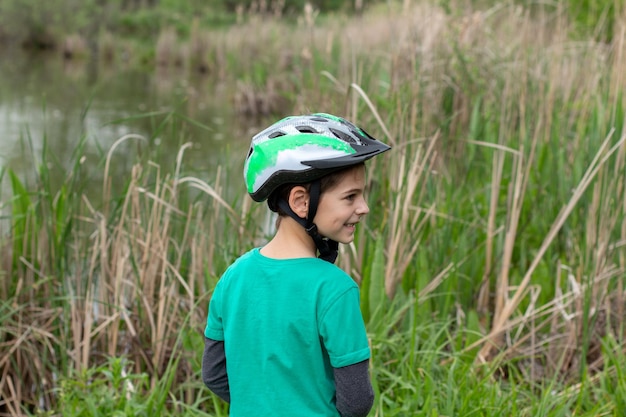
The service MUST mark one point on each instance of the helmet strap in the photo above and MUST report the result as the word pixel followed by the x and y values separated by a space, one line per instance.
pixel 328 248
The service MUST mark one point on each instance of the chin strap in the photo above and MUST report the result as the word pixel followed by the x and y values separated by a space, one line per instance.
pixel 328 248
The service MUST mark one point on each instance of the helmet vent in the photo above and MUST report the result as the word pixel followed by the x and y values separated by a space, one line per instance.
pixel 276 134
pixel 306 129
pixel 343 136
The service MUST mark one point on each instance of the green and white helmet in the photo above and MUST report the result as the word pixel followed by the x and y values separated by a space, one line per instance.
pixel 301 149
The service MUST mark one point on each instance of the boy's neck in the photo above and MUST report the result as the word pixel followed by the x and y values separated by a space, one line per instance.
pixel 290 241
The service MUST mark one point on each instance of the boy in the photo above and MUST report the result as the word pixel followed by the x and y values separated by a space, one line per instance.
pixel 284 334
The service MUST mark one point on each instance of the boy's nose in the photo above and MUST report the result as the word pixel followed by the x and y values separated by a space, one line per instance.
pixel 363 207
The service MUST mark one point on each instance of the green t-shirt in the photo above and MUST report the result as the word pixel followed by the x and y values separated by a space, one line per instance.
pixel 285 324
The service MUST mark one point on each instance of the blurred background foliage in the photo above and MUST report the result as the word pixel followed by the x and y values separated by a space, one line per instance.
pixel 42 25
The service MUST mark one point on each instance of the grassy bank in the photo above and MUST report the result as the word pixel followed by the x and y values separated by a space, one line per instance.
pixel 491 264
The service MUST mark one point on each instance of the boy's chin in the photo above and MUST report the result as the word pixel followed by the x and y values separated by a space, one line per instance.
pixel 346 240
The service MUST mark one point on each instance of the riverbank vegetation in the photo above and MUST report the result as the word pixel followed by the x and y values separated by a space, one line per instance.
pixel 130 31
pixel 491 265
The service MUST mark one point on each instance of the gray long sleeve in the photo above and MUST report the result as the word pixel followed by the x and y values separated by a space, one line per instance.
pixel 214 373
pixel 355 396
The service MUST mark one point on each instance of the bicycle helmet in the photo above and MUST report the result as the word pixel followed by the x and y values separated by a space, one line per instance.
pixel 300 149
pixel 303 149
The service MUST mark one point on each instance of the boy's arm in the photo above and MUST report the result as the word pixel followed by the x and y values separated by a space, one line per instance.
pixel 355 396
pixel 214 368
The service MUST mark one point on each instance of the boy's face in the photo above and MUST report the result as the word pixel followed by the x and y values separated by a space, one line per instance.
pixel 341 207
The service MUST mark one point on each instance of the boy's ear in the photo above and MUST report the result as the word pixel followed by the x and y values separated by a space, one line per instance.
pixel 299 201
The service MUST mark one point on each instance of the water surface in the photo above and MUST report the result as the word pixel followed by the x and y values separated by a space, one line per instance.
pixel 47 99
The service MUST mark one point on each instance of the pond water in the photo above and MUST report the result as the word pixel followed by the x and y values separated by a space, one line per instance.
pixel 46 99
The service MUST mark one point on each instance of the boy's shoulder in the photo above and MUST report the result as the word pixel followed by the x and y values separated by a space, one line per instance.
pixel 255 261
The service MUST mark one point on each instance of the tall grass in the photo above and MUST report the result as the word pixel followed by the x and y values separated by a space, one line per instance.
pixel 491 263
pixel 123 279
